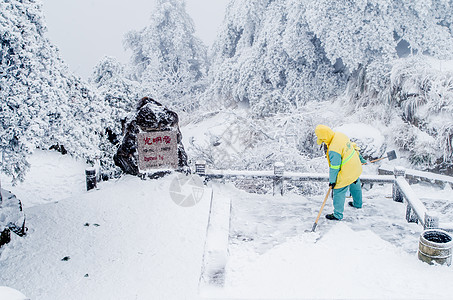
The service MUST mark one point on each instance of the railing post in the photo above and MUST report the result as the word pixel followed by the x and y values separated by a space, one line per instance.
pixel 411 217
pixel 279 168
pixel 90 178
pixel 200 167
pixel 97 167
pixel 431 220
pixel 396 193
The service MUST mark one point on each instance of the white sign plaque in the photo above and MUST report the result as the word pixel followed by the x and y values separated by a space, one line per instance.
pixel 157 150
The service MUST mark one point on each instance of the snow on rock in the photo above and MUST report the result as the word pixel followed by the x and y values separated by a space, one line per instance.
pixel 152 115
pixel 369 139
pixel 11 216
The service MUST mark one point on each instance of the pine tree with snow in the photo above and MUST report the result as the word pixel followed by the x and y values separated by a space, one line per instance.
pixel 42 104
pixel 168 60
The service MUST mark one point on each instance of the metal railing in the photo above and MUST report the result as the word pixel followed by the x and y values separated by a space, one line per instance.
pixel 401 190
pixel 216 247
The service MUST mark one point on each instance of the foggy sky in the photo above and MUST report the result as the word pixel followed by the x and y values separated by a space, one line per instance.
pixel 87 30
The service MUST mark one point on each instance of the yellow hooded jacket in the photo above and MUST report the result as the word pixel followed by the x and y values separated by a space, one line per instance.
pixel 350 167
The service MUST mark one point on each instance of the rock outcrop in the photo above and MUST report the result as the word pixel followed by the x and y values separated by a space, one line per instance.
pixel 12 218
pixel 151 116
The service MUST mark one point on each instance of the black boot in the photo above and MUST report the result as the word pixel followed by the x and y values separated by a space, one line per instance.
pixel 352 204
pixel 332 217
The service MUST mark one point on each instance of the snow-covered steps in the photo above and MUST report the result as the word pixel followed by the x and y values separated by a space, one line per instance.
pixel 217 239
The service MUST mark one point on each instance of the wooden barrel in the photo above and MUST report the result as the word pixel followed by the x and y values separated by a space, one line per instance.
pixel 435 246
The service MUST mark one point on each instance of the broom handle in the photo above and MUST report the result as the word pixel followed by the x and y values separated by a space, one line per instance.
pixel 322 207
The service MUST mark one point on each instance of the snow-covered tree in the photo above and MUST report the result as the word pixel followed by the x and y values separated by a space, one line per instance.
pixel 42 103
pixel 369 35
pixel 168 60
pixel 277 55
pixel 120 95
pixel 423 92
pixel 267 57
pixel 374 39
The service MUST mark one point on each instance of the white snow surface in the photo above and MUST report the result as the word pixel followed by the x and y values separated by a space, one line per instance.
pixel 369 139
pixel 52 177
pixel 129 240
pixel 361 131
pixel 344 264
pixel 125 240
pixel 7 293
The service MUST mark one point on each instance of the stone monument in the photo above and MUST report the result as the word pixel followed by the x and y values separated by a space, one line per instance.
pixel 152 141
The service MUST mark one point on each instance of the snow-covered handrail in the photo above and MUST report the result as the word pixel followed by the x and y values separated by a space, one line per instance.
pixel 420 175
pixel 410 196
pixel 416 210
pixel 402 189
pixel 216 244
pixel 278 175
pixel 213 173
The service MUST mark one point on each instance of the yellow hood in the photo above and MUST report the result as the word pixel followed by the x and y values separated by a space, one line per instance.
pixel 324 134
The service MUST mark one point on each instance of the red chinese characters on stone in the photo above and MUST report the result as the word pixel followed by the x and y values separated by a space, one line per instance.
pixel 157 149
pixel 158 140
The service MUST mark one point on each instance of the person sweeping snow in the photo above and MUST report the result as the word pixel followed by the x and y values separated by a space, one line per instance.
pixel 345 167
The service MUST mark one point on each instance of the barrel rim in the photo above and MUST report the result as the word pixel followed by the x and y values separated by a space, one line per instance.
pixel 448 244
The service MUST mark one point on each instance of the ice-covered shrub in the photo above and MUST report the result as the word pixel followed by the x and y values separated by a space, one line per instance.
pixel 422 148
pixel 420 88
pixel 419 91
pixel 369 85
pixel 232 140
pixel 424 92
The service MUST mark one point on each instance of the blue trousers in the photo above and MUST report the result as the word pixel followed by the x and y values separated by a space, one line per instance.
pixel 339 196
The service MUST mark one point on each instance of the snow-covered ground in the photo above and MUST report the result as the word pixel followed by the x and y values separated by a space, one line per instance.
pixel 51 178
pixel 372 253
pixel 129 240
pixel 126 240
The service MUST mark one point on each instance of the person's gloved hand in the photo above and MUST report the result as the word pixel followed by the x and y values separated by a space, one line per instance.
pixel 332 185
